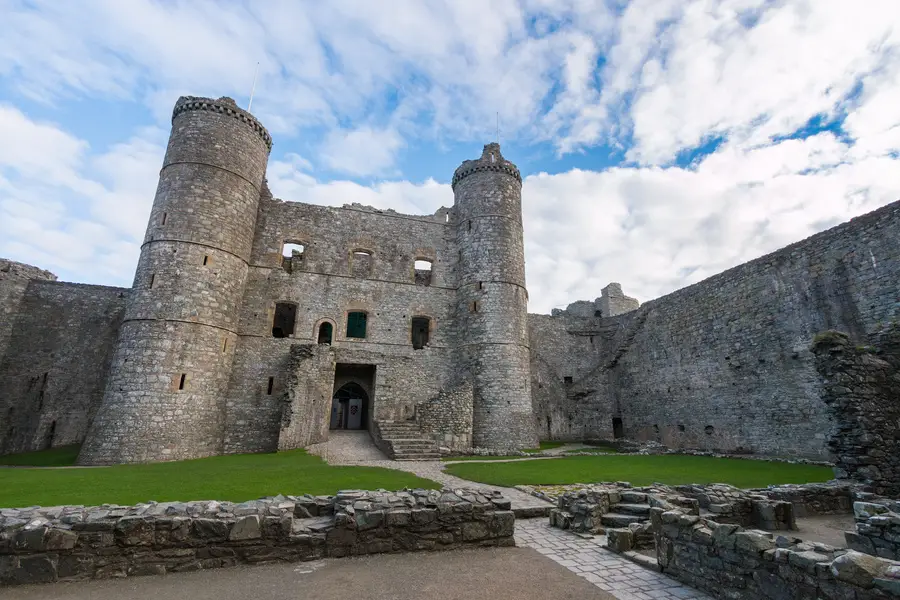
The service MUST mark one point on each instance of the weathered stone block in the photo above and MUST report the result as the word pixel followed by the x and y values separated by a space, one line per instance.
pixel 245 528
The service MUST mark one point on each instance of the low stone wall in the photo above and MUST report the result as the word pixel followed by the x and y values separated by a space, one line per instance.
pixel 727 561
pixel 39 545
pixel 581 509
pixel 811 499
pixel 877 529
pixel 729 504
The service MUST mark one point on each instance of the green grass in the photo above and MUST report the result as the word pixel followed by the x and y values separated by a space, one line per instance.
pixel 54 457
pixel 237 477
pixel 641 470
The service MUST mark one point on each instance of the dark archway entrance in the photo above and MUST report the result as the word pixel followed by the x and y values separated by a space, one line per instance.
pixel 350 407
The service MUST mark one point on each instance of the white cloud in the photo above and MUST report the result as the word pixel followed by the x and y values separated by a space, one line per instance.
pixel 78 214
pixel 361 151
pixel 364 80
pixel 659 229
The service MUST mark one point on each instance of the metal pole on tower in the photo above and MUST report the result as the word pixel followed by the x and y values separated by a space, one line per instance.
pixel 253 89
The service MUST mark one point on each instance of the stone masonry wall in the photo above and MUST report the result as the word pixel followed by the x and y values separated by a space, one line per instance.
pixel 60 345
pixel 862 395
pixel 877 529
pixel 324 286
pixel 68 543
pixel 727 561
pixel 14 278
pixel 306 403
pixel 447 417
pixel 492 300
pixel 165 399
pixel 566 346
pixel 725 364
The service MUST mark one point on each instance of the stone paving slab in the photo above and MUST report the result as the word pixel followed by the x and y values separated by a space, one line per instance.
pixel 608 571
pixel 357 448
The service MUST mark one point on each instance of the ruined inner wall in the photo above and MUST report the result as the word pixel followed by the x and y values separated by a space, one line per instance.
pixel 59 346
pixel 325 284
pixel 725 364
pixel 170 373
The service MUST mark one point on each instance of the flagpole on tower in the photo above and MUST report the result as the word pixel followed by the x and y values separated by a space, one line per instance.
pixel 498 127
pixel 253 89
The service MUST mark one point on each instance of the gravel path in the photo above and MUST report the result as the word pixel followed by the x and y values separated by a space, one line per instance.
pixel 357 448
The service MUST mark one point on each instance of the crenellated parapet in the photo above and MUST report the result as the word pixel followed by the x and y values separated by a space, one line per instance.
pixel 225 106
pixel 491 160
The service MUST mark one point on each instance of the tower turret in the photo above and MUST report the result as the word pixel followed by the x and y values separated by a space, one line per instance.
pixel 170 372
pixel 492 300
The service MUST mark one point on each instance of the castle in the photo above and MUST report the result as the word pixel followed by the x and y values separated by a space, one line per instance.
pixel 256 324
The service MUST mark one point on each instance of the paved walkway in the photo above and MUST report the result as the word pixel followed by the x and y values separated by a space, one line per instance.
pixel 357 448
pixel 585 557
pixel 608 571
pixel 495 573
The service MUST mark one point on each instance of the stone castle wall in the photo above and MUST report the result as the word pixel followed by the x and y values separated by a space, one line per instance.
pixel 326 283
pixel 170 373
pixel 725 364
pixel 720 365
pixel 60 344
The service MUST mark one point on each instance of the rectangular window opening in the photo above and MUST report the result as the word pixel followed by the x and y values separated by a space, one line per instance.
pixel 473 307
pixel 470 225
pixel 181 382
pixel 356 325
pixel 567 380
pixel 225 345
pixel 205 260
pixel 152 279
pixel 285 319
pixel 271 383
pixel 163 219
pixel 419 333
pixel 480 285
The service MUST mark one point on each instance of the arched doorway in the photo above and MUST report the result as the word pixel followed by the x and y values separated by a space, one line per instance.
pixel 350 407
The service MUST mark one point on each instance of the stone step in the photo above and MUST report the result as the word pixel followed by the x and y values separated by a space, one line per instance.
pixel 417 457
pixel 620 520
pixel 632 509
pixel 633 497
pixel 413 443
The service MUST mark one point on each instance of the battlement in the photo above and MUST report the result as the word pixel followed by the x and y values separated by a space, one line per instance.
pixel 223 105
pixel 491 160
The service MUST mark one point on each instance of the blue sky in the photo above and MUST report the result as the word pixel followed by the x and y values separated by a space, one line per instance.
pixel 661 141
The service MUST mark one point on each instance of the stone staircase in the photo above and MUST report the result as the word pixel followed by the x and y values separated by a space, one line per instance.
pixel 403 440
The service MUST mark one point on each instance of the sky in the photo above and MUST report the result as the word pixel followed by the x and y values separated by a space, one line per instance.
pixel 660 141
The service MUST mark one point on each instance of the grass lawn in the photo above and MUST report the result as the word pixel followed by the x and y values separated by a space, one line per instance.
pixel 55 457
pixel 641 470
pixel 236 477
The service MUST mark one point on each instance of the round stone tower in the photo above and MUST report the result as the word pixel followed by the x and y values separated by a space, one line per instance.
pixel 170 372
pixel 492 300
